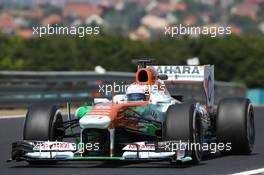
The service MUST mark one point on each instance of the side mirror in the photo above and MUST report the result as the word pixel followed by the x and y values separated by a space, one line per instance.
pixel 120 98
pixel 101 100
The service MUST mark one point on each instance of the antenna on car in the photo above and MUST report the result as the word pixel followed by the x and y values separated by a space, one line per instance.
pixel 142 63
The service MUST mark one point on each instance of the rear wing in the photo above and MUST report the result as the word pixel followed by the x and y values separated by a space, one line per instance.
pixel 191 74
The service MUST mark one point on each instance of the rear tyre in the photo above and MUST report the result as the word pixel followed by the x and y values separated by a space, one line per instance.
pixel 43 123
pixel 235 125
pixel 183 123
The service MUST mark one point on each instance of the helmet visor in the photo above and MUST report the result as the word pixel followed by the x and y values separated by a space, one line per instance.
pixel 136 97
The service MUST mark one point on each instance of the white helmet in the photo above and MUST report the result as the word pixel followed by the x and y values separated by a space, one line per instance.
pixel 137 92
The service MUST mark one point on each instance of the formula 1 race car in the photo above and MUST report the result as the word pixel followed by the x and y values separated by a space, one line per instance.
pixel 145 123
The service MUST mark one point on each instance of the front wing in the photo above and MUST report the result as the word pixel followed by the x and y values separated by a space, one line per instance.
pixel 66 151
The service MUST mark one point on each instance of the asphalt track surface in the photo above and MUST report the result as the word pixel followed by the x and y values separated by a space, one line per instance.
pixel 11 130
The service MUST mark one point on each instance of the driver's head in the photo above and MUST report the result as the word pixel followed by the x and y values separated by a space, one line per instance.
pixel 136 92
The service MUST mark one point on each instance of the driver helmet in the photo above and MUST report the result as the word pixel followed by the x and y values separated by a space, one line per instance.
pixel 137 92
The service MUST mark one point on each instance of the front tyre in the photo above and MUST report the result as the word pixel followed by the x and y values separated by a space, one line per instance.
pixel 183 123
pixel 43 123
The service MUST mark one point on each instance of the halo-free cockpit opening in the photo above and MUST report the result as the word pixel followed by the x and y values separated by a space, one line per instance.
pixel 143 76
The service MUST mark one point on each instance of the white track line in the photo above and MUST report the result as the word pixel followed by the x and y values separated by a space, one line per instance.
pixel 12 116
pixel 256 171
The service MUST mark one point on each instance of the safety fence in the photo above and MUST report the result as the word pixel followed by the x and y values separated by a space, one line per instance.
pixel 21 89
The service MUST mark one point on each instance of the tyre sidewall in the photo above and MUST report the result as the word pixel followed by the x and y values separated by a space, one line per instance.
pixel 39 122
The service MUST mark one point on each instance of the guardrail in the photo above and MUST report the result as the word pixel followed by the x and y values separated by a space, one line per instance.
pixel 21 89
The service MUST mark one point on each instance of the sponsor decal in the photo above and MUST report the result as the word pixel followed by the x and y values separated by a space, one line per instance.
pixel 194 70
pixel 182 73
pixel 139 146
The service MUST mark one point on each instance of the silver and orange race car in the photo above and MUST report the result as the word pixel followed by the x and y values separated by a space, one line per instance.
pixel 144 123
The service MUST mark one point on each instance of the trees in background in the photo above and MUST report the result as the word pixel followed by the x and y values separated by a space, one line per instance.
pixel 239 59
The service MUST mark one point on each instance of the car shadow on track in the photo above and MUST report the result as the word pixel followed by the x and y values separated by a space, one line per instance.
pixel 108 164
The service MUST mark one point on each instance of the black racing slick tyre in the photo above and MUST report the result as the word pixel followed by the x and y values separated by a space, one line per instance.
pixel 43 123
pixel 235 125
pixel 183 123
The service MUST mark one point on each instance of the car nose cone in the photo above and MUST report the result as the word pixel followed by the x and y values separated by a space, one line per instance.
pixel 99 122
